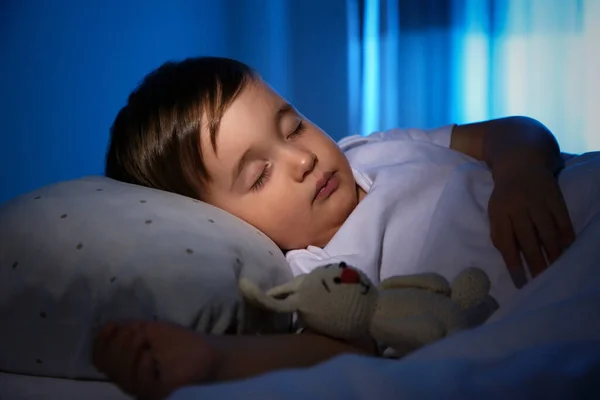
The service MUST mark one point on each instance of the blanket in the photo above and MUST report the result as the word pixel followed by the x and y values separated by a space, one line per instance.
pixel 543 343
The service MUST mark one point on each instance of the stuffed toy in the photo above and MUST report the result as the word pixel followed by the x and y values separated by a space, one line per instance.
pixel 403 313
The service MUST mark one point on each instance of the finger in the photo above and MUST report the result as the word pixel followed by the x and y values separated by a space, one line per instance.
pixel 120 354
pixel 504 240
pixel 157 374
pixel 102 342
pixel 547 232
pixel 111 357
pixel 138 346
pixel 127 344
pixel 145 374
pixel 561 215
pixel 115 356
pixel 150 385
pixel 528 242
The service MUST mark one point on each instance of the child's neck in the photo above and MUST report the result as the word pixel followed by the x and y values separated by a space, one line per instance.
pixel 360 193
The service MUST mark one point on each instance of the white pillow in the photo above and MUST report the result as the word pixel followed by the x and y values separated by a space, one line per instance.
pixel 78 253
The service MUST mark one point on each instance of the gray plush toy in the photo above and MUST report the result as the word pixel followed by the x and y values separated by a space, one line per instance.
pixel 402 313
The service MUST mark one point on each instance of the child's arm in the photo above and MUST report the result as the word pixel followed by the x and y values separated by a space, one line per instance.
pixel 246 356
pixel 507 143
pixel 527 211
pixel 149 360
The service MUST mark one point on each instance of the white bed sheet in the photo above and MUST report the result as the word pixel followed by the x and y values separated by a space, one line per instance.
pixel 25 387
pixel 544 343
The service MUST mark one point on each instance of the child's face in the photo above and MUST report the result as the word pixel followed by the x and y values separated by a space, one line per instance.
pixel 268 167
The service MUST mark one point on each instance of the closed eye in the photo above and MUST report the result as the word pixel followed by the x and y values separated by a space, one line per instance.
pixel 325 285
pixel 298 130
pixel 261 180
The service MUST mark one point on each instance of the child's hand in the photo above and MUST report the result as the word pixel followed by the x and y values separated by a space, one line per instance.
pixel 528 215
pixel 149 360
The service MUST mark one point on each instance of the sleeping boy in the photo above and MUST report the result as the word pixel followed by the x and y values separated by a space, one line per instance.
pixel 497 194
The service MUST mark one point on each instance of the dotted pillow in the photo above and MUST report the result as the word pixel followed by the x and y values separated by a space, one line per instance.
pixel 78 253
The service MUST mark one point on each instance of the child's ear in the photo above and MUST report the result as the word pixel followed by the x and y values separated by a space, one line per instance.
pixel 255 295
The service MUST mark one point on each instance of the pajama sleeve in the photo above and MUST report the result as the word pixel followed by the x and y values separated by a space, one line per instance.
pixel 439 136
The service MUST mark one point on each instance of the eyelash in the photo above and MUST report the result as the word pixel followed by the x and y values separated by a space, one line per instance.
pixel 264 176
pixel 299 129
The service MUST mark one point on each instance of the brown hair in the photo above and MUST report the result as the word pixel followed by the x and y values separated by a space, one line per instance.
pixel 155 138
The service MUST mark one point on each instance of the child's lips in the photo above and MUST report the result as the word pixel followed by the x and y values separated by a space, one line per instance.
pixel 326 186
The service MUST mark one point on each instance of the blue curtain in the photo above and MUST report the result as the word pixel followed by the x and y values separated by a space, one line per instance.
pixel 425 63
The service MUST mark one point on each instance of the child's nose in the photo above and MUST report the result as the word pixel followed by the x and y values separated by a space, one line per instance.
pixel 302 163
pixel 350 275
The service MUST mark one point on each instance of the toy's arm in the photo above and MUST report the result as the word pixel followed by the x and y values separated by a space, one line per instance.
pixel 407 334
pixel 428 281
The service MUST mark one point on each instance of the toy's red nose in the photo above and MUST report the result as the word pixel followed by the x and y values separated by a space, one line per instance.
pixel 350 275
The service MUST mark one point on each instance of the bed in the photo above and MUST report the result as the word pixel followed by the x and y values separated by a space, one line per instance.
pixel 544 343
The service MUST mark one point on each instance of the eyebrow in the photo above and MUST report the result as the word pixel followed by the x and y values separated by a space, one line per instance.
pixel 284 109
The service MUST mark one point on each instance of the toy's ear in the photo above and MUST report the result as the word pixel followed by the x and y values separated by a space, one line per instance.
pixel 283 291
pixel 254 294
